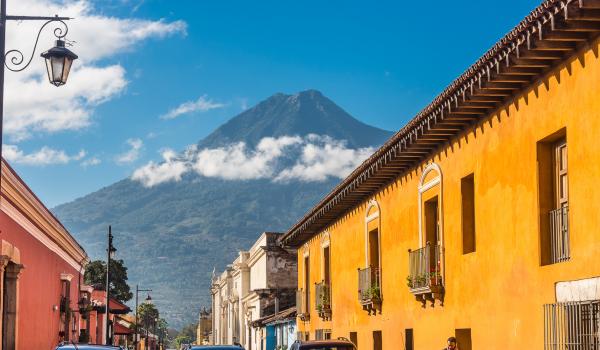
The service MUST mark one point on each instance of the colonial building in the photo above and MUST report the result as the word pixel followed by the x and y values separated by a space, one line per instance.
pixel 41 268
pixel 479 218
pixel 204 330
pixel 260 282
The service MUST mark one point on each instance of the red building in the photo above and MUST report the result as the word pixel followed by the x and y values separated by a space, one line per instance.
pixel 41 272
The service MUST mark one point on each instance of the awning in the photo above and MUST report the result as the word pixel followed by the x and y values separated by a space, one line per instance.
pixel 119 329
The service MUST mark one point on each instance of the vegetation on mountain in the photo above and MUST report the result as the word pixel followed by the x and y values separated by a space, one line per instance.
pixel 172 235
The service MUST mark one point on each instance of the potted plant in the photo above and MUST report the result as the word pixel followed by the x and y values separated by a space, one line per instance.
pixel 409 281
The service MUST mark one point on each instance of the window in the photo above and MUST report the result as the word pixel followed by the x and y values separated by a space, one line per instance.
pixel 322 334
pixel 326 268
pixel 553 199
pixel 374 248
pixel 306 284
pixel 377 341
pixel 572 325
pixel 408 336
pixel 463 338
pixel 467 190
pixel 65 314
pixel 354 339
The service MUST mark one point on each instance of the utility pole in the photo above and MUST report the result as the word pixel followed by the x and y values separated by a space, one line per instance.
pixel 109 252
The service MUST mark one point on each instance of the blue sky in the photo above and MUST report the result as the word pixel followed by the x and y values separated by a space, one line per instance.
pixel 381 61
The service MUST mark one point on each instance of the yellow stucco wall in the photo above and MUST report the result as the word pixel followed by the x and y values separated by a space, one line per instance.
pixel 497 291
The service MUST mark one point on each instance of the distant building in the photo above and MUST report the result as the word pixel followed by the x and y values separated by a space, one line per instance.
pixel 260 282
pixel 279 329
pixel 41 269
pixel 204 330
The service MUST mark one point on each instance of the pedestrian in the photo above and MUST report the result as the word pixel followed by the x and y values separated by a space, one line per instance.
pixel 451 344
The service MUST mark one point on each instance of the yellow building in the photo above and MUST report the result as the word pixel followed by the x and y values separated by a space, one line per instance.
pixel 472 221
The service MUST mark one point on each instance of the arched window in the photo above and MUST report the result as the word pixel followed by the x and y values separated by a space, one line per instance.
pixel 431 218
pixel 372 235
pixel 369 278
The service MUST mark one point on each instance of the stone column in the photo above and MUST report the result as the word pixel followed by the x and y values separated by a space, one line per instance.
pixel 4 260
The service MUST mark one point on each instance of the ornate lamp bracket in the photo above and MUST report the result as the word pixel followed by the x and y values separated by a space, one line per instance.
pixel 14 59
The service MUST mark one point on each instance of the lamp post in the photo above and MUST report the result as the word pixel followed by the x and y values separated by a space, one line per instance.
pixel 137 291
pixel 110 252
pixel 58 59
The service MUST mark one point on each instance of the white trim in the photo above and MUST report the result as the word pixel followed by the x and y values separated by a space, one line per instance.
pixel 368 219
pixel 66 277
pixel 20 219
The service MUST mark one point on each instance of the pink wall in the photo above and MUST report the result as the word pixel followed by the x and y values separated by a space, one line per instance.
pixel 38 323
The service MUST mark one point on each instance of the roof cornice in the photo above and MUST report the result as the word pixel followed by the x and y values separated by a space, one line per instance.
pixel 545 38
pixel 16 191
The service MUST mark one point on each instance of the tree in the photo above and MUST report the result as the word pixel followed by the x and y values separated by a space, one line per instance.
pixel 182 339
pixel 147 314
pixel 95 275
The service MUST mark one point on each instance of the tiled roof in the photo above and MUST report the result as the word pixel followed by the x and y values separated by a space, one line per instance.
pixel 545 38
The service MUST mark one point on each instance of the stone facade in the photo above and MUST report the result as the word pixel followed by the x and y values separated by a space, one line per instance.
pixel 259 282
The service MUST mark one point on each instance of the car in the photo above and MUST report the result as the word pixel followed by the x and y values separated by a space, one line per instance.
pixel 216 347
pixel 71 346
pixel 339 344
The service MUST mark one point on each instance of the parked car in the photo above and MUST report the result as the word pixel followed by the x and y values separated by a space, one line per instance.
pixel 339 344
pixel 71 346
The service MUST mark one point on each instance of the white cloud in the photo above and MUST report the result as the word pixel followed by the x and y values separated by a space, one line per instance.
pixel 317 158
pixel 322 160
pixel 235 162
pixel 44 156
pixel 32 104
pixel 171 169
pixel 202 104
pixel 90 162
pixel 133 153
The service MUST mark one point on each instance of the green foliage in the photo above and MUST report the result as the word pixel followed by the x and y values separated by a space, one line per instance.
pixel 147 314
pixel 95 274
pixel 182 339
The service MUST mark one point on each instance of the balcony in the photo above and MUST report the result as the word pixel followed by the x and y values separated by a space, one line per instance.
pixel 323 300
pixel 369 289
pixel 559 235
pixel 302 307
pixel 425 275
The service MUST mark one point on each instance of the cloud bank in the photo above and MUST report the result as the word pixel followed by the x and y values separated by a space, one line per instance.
pixel 282 160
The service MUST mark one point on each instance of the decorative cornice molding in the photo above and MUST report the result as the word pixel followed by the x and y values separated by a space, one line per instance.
pixel 25 201
pixel 66 277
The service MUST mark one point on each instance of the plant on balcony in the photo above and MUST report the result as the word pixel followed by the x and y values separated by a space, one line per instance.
pixel 324 301
pixel 374 293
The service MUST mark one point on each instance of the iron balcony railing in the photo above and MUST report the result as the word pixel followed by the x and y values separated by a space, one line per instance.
pixel 322 296
pixel 302 303
pixel 572 325
pixel 425 269
pixel 559 235
pixel 369 284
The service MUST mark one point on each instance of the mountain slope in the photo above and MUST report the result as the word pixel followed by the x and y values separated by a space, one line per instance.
pixel 172 235
pixel 300 114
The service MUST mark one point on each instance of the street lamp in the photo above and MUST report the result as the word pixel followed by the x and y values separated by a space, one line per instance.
pixel 148 299
pixel 58 59
pixel 58 63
